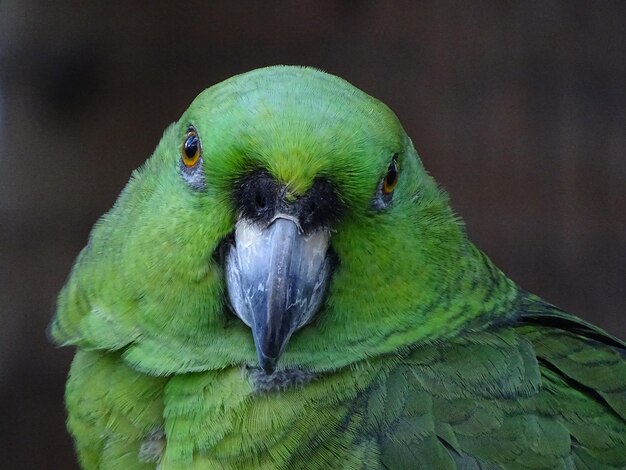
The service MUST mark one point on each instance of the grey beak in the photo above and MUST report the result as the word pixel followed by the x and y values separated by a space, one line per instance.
pixel 276 279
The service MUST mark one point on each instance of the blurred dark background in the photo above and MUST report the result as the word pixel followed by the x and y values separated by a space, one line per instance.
pixel 518 109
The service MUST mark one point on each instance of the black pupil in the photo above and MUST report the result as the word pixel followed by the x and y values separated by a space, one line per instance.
pixel 191 146
pixel 392 174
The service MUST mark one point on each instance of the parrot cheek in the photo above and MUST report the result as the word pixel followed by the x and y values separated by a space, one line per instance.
pixel 276 279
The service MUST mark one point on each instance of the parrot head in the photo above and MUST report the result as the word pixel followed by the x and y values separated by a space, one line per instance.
pixel 294 150
pixel 290 198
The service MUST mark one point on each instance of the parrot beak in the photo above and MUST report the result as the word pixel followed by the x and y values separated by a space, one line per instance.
pixel 276 278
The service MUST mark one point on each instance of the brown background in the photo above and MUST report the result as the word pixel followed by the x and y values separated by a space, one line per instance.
pixel 518 109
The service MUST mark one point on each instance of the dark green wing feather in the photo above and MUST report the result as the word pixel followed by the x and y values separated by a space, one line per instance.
pixel 547 392
pixel 588 357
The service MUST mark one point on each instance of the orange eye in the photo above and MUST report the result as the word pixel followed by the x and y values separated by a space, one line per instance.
pixel 191 148
pixel 391 179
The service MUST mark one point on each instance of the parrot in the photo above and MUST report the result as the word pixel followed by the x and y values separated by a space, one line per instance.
pixel 282 285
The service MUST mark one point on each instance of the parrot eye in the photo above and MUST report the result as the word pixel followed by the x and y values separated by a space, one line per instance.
pixel 191 148
pixel 384 193
pixel 190 165
pixel 391 179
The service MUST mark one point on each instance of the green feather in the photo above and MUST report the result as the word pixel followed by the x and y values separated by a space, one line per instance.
pixel 423 355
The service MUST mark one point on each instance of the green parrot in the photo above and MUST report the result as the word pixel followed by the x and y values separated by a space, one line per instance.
pixel 283 285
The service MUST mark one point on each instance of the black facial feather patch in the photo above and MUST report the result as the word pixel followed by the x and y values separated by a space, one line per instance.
pixel 259 197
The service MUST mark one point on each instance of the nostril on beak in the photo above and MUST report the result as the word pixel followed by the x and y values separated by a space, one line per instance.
pixel 260 201
pixel 260 204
